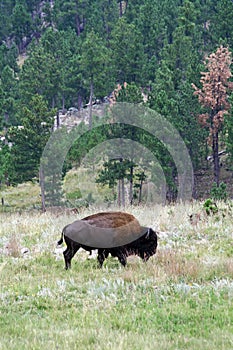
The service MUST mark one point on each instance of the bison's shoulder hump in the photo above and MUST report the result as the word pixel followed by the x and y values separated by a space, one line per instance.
pixel 111 219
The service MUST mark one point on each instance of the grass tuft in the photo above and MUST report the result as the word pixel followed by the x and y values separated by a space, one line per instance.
pixel 13 247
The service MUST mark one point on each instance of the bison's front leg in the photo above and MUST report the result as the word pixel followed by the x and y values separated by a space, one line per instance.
pixel 102 255
pixel 70 251
pixel 145 257
pixel 119 253
pixel 122 257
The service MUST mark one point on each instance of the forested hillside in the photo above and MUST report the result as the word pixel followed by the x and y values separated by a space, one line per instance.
pixel 60 54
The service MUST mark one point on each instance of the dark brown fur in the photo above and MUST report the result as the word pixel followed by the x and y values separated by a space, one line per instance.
pixel 112 219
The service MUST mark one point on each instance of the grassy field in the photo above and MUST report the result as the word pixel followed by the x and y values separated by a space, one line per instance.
pixel 181 299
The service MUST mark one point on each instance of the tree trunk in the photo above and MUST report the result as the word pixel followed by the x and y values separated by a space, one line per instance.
pixel 215 157
pixel 80 102
pixel 6 117
pixel 90 104
pixel 119 194
pixel 123 192
pixel 58 120
pixel 131 186
pixel 77 24
pixel 63 103
pixel 42 189
pixel 121 9
pixel 140 191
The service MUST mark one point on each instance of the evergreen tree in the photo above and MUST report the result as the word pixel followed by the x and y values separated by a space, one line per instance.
pixel 152 24
pixel 102 16
pixel 171 94
pixel 5 19
pixel 52 69
pixel 127 53
pixel 114 172
pixel 8 89
pixel 71 14
pixel 220 26
pixel 6 163
pixel 29 139
pixel 52 168
pixel 34 77
pixel 95 67
pixel 228 129
pixel 8 56
pixel 123 168
pixel 130 93
pixel 64 68
pixel 8 84
pixel 22 23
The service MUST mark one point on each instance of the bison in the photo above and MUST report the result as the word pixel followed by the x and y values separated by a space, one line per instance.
pixel 115 233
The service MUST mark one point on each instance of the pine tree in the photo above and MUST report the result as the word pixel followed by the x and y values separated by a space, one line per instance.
pixel 5 18
pixel 94 67
pixel 213 96
pixel 8 88
pixel 52 69
pixel 71 14
pixel 8 84
pixel 22 23
pixel 29 138
pixel 171 94
pixel 127 53
pixel 130 93
pixel 220 26
pixel 6 163
pixel 34 77
pixel 62 50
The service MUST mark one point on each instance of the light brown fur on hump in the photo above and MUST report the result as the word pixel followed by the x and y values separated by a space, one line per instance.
pixel 113 220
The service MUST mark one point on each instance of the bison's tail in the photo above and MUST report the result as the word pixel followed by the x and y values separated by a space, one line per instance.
pixel 61 240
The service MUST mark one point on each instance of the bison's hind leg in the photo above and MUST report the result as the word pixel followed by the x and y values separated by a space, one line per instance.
pixel 102 255
pixel 66 254
pixel 70 251
pixel 122 258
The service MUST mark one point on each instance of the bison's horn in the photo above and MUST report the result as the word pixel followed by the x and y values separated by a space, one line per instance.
pixel 147 234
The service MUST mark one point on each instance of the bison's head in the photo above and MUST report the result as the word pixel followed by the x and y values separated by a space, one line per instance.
pixel 146 245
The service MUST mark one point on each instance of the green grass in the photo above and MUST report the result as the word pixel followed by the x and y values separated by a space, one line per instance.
pixel 86 187
pixel 26 196
pixel 181 299
pixel 20 197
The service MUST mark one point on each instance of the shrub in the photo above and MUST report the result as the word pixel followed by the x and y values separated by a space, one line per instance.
pixel 210 206
pixel 219 192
